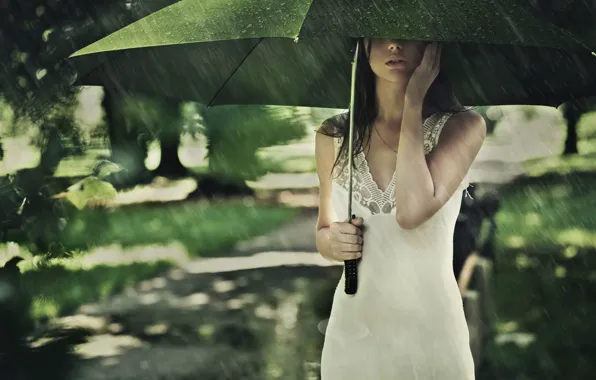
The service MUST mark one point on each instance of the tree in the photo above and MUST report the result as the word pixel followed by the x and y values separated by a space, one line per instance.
pixel 135 120
pixel 128 143
pixel 36 38
pixel 572 113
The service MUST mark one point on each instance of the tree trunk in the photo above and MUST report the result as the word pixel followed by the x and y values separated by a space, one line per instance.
pixel 52 152
pixel 169 143
pixel 572 112
pixel 169 164
pixel 127 150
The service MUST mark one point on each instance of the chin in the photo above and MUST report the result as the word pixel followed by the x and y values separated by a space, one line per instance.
pixel 396 76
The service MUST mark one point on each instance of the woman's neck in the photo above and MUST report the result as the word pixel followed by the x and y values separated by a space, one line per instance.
pixel 390 100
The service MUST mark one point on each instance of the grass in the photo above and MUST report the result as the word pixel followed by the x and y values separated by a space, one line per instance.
pixel 79 166
pixel 202 228
pixel 545 284
pixel 61 288
pixel 550 211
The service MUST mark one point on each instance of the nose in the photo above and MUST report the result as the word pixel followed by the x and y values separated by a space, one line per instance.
pixel 395 45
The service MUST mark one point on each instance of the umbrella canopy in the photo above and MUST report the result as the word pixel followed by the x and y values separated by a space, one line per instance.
pixel 576 16
pixel 260 52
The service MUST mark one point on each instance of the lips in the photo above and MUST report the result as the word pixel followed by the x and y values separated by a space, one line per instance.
pixel 394 60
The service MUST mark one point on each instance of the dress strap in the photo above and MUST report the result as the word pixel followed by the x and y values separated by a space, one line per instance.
pixel 432 127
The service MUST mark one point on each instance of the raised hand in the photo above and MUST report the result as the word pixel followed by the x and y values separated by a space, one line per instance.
pixel 425 74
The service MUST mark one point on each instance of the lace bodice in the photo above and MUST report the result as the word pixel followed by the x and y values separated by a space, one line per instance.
pixel 365 190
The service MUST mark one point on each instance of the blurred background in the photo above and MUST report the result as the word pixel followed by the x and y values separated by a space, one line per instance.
pixel 143 238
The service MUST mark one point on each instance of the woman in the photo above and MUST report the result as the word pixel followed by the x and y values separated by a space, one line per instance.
pixel 413 147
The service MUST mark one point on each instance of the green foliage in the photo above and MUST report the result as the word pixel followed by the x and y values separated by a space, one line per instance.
pixel 586 128
pixel 235 134
pixel 161 116
pixel 148 115
pixel 90 189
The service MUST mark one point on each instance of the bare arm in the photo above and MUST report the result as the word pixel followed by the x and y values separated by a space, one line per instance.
pixel 425 184
pixel 335 241
pixel 324 158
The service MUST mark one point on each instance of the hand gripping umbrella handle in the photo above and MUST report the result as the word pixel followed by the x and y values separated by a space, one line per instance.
pixel 351 274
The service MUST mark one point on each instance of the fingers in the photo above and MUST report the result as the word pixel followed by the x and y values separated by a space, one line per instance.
pixel 357 221
pixel 437 60
pixel 351 255
pixel 346 251
pixel 351 248
pixel 347 239
pixel 350 239
pixel 353 228
pixel 432 56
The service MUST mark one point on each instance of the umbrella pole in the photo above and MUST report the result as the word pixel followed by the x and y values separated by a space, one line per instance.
pixel 350 266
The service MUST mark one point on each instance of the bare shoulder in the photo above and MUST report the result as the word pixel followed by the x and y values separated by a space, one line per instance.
pixel 327 135
pixel 464 128
pixel 334 126
pixel 467 122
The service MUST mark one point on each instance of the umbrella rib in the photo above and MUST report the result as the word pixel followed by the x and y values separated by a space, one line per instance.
pixel 234 72
pixel 304 19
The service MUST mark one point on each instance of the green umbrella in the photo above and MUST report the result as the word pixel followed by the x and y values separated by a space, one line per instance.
pixel 299 52
pixel 244 51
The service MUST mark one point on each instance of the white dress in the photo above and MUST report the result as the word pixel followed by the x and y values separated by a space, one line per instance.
pixel 406 322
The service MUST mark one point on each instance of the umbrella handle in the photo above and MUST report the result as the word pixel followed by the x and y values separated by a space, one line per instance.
pixel 350 266
pixel 351 274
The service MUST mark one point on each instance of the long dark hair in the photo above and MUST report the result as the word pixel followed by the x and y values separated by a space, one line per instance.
pixel 439 98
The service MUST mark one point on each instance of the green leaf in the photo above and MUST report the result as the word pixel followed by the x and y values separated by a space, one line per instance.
pixel 90 188
pixel 107 168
